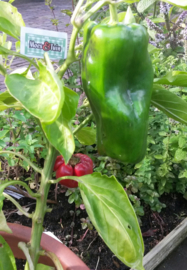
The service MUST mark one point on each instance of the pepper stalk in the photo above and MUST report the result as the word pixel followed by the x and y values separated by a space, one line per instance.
pixel 79 17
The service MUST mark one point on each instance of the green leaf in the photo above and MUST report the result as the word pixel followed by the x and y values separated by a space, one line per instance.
pixel 19 116
pixel 18 45
pixel 42 97
pixel 7 52
pixel 178 3
pixel 163 133
pixel 7 261
pixel 129 17
pixel 10 20
pixel 3 224
pixel 152 33
pixel 86 136
pixel 158 156
pixel 180 155
pixel 182 142
pixel 121 16
pixel 175 89
pixel 40 266
pixel 170 11
pixel 7 98
pixel 152 49
pixel 138 165
pixel 67 12
pixel 158 20
pixel 113 216
pixel 23 71
pixel 172 105
pixel 59 133
pixel 7 101
pixel 144 4
pixel 185 196
pixel 178 78
pixel 71 198
pixel 183 174
pixel 3 133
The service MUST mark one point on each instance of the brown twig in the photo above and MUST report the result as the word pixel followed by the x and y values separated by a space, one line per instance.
pixel 160 222
pixel 92 242
pixel 84 235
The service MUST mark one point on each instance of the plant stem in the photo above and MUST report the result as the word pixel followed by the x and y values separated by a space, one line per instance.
pixel 18 206
pixel 73 6
pixel 76 178
pixel 77 25
pixel 41 206
pixel 40 125
pixel 24 158
pixel 54 258
pixel 71 57
pixel 79 47
pixel 154 12
pixel 166 17
pixel 12 130
pixel 95 8
pixel 29 264
pixel 54 17
pixel 87 120
pixel 113 15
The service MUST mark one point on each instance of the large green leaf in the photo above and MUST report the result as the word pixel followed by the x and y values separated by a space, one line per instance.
pixel 144 4
pixel 7 101
pixel 5 51
pixel 178 78
pixel 172 105
pixel 178 3
pixel 113 216
pixel 86 136
pixel 7 261
pixel 42 97
pixel 10 20
pixel 59 133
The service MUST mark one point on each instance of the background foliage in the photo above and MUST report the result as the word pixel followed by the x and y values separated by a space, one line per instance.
pixel 164 169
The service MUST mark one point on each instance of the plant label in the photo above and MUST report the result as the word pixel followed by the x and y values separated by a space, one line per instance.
pixel 35 42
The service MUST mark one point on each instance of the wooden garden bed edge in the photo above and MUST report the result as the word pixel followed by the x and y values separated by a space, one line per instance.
pixel 165 247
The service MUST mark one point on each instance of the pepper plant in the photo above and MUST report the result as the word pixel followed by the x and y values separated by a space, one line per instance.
pixel 54 106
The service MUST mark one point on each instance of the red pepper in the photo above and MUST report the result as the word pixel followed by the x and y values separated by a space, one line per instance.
pixel 79 165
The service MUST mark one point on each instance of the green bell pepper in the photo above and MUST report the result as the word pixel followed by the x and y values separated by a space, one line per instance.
pixel 117 77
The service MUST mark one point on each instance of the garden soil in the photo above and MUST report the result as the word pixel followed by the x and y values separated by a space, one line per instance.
pixel 87 244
